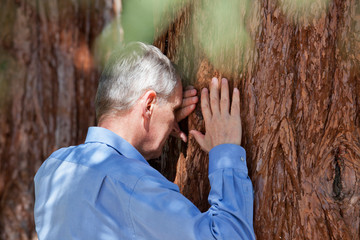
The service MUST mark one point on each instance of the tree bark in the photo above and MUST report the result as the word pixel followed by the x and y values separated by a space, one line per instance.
pixel 300 88
pixel 300 93
pixel 48 81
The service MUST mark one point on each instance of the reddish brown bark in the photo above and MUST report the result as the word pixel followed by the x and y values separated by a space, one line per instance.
pixel 48 80
pixel 299 82
pixel 301 117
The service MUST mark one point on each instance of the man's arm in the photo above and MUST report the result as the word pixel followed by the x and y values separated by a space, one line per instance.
pixel 159 211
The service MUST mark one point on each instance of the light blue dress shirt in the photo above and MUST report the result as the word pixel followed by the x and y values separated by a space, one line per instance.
pixel 105 189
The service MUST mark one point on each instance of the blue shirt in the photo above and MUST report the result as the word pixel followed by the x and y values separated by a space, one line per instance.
pixel 105 189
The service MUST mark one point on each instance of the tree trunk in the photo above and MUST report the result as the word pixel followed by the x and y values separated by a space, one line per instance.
pixel 48 81
pixel 297 70
pixel 299 82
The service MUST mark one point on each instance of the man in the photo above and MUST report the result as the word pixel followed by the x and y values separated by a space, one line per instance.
pixel 105 189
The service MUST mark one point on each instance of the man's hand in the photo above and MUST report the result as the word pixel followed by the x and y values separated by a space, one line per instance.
pixel 188 105
pixel 221 126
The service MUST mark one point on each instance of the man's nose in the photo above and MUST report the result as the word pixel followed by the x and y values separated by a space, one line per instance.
pixel 176 127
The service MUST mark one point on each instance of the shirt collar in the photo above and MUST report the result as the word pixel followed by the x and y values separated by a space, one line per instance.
pixel 103 135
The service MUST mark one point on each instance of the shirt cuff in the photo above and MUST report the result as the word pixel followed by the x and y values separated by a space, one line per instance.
pixel 227 156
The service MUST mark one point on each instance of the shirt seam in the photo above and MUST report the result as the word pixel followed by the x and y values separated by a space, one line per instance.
pixel 244 170
pixel 82 165
pixel 107 144
pixel 99 171
pixel 130 198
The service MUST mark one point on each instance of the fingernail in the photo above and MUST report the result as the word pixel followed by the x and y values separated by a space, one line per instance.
pixel 183 137
pixel 214 80
pixel 224 80
pixel 236 89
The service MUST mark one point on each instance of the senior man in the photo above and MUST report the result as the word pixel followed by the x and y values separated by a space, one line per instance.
pixel 105 188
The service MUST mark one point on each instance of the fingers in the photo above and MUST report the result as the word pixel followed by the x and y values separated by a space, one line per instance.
pixel 214 96
pixel 183 137
pixel 220 128
pixel 178 133
pixel 189 92
pixel 188 104
pixel 205 107
pixel 189 101
pixel 235 106
pixel 200 138
pixel 224 102
pixel 184 112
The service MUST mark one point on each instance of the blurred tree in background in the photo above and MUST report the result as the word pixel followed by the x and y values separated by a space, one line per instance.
pixel 296 63
pixel 48 80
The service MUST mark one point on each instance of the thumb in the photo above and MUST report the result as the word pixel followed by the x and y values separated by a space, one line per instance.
pixel 179 134
pixel 200 138
pixel 176 132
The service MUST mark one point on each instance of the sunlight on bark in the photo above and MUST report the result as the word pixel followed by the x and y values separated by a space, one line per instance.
pixel 304 12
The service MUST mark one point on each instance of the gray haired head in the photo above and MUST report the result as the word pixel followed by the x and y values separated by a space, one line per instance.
pixel 131 72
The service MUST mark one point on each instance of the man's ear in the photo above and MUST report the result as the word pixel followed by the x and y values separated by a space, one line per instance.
pixel 149 101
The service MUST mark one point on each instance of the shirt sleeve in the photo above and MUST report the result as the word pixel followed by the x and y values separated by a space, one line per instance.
pixel 159 211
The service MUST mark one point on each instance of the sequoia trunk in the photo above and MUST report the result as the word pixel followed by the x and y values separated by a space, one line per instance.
pixel 48 81
pixel 300 88
pixel 297 71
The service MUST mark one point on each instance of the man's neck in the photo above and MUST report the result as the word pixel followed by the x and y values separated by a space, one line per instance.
pixel 125 126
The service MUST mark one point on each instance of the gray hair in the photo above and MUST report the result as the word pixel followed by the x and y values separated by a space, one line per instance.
pixel 129 73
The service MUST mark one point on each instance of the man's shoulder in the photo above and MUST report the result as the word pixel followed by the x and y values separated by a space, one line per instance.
pixel 100 159
pixel 92 155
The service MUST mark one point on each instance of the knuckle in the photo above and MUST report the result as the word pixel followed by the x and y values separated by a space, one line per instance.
pixel 205 105
pixel 235 102
pixel 214 101
pixel 224 100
